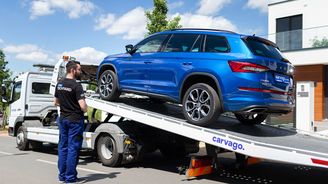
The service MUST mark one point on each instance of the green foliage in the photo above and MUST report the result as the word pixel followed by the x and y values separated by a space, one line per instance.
pixel 320 43
pixel 4 79
pixel 97 115
pixel 157 18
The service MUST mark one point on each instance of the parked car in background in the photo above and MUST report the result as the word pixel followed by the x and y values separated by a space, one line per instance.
pixel 208 71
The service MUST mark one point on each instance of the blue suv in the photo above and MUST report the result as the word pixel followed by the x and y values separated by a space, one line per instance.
pixel 208 71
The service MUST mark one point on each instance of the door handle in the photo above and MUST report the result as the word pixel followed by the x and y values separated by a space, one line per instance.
pixel 187 63
pixel 147 62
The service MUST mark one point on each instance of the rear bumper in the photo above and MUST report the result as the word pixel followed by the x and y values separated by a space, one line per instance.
pixel 267 109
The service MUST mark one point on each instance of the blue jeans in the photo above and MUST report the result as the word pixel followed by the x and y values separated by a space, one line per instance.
pixel 70 142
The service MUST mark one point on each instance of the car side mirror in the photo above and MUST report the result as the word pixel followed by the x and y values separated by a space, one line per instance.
pixel 129 49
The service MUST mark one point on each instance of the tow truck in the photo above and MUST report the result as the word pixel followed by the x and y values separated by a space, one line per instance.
pixel 135 125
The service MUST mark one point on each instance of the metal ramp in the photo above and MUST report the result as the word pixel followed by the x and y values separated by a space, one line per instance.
pixel 260 141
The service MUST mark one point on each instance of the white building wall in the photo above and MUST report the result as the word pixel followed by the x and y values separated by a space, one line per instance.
pixel 315 26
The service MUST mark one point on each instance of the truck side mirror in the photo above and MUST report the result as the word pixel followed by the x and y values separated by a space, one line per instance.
pixel 3 93
pixel 129 49
pixel 3 90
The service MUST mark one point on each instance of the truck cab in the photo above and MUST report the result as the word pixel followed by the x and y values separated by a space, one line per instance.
pixel 30 100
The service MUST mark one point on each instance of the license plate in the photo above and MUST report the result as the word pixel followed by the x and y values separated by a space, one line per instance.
pixel 282 78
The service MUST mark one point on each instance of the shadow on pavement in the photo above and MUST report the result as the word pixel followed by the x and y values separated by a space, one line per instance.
pixel 95 177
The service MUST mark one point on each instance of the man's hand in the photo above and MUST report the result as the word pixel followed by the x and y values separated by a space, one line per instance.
pixel 83 105
pixel 56 101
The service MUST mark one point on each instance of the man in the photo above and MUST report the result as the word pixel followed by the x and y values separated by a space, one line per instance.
pixel 69 96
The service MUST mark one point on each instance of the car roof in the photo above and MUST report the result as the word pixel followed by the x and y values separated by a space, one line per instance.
pixel 201 31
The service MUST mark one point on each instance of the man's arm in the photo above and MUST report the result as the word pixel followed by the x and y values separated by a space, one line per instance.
pixel 83 105
pixel 56 101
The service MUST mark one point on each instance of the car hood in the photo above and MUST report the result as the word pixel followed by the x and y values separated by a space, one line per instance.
pixel 115 56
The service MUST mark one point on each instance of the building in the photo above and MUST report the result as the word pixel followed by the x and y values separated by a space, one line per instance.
pixel 300 29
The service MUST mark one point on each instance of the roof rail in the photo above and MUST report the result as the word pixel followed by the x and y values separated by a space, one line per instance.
pixel 208 29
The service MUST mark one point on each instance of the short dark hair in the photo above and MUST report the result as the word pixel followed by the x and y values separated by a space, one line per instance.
pixel 71 65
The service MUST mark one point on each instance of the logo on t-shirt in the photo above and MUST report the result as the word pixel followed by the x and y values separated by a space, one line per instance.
pixel 60 87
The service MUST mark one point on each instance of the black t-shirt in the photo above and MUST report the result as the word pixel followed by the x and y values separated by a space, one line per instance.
pixel 69 92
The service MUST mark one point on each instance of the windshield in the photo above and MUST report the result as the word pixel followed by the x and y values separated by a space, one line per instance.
pixel 264 49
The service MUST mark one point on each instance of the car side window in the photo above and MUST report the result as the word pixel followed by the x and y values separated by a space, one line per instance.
pixel 182 43
pixel 216 44
pixel 151 44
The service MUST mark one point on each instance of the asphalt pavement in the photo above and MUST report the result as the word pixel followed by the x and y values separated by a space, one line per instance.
pixel 40 167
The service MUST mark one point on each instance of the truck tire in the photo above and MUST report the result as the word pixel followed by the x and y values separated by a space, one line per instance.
pixel 108 86
pixel 107 151
pixel 21 139
pixel 201 104
pixel 251 119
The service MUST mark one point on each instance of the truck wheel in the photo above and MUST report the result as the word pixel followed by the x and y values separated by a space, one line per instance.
pixel 251 119
pixel 201 104
pixel 21 139
pixel 107 152
pixel 108 86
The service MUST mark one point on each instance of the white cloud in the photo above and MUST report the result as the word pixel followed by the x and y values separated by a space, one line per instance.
pixel 74 8
pixel 189 20
pixel 175 5
pixel 35 56
pixel 211 7
pixel 104 21
pixel 25 48
pixel 1 41
pixel 132 25
pixel 28 52
pixel 86 55
pixel 261 5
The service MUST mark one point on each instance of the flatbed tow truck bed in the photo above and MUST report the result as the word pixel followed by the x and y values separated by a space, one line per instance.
pixel 259 141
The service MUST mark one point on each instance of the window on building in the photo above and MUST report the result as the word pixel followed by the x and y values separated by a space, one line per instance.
pixel 289 32
pixel 216 44
pixel 183 43
pixel 40 88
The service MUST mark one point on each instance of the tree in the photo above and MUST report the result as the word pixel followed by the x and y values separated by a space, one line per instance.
pixel 320 43
pixel 157 18
pixel 4 80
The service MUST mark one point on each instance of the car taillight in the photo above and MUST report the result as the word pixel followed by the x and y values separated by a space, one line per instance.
pixel 238 66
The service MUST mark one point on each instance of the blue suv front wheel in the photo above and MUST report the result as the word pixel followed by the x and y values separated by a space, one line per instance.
pixel 201 104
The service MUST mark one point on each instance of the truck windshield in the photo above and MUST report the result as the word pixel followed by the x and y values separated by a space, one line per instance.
pixel 262 48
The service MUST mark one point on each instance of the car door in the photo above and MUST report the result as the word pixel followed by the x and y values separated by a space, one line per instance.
pixel 172 63
pixel 134 69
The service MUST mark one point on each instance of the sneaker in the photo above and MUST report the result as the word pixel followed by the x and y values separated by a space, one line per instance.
pixel 82 180
pixel 62 182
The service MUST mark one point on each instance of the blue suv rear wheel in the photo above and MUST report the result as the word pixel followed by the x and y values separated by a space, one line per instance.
pixel 201 104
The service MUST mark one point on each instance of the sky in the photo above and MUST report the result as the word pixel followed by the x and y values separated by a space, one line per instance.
pixel 42 31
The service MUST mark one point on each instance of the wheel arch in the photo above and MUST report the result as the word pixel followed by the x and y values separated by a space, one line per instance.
pixel 201 77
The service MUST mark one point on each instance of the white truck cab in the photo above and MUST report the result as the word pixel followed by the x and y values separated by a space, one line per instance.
pixel 30 100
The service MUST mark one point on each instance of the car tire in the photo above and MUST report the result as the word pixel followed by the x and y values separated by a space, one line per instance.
pixel 251 119
pixel 108 86
pixel 21 139
pixel 107 151
pixel 200 111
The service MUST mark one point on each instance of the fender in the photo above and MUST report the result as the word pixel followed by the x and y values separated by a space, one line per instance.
pixel 208 75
